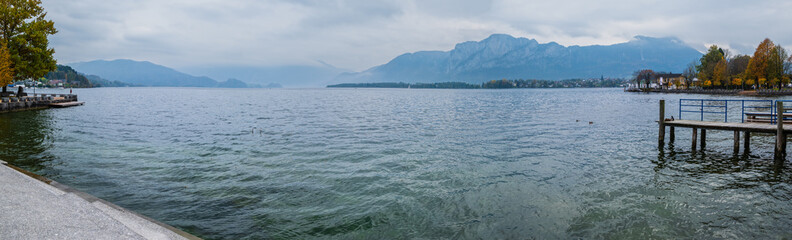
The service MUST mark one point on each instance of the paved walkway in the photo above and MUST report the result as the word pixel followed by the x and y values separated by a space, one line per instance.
pixel 33 209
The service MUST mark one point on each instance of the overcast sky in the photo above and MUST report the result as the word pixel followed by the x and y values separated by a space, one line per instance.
pixel 357 35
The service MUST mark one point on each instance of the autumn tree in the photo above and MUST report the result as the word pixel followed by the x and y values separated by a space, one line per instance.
pixel 776 64
pixel 738 64
pixel 6 71
pixel 706 68
pixel 737 81
pixel 736 69
pixel 757 66
pixel 719 74
pixel 24 28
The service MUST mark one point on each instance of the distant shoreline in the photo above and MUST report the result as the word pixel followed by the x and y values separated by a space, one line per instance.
pixel 495 84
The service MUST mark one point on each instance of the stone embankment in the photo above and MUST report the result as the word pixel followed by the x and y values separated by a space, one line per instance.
pixel 34 207
pixel 35 101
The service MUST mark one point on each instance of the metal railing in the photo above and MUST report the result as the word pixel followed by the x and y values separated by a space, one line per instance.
pixel 774 119
pixel 719 106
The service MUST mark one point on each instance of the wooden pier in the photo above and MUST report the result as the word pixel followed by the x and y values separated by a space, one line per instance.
pixel 780 129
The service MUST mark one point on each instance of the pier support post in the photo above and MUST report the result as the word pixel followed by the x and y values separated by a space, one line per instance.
pixel 693 147
pixel 661 122
pixel 671 136
pixel 780 148
pixel 703 138
pixel 747 142
pixel 736 142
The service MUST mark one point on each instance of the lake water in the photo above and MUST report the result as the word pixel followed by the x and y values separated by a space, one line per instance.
pixel 403 163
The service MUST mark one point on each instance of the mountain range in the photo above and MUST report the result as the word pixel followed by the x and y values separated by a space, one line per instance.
pixel 144 73
pixel 287 76
pixel 503 56
pixel 497 57
pixel 141 73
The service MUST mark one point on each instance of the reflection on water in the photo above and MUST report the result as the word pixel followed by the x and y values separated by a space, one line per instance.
pixel 715 161
pixel 25 138
pixel 718 191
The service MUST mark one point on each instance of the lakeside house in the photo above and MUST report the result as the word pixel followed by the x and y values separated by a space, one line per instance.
pixel 670 80
pixel 661 80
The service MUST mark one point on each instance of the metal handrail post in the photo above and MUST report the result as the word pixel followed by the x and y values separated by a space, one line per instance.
pixel 726 111
pixel 702 109
pixel 773 105
pixel 680 109
pixel 772 111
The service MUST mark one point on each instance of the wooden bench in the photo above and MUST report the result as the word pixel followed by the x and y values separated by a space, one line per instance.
pixel 765 117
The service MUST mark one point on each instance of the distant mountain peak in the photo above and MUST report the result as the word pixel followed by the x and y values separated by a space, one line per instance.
pixel 498 37
pixel 325 64
pixel 121 60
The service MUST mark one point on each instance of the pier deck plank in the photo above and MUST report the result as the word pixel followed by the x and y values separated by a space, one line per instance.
pixel 751 127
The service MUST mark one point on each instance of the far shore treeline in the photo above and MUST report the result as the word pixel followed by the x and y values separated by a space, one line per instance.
pixel 503 83
pixel 65 76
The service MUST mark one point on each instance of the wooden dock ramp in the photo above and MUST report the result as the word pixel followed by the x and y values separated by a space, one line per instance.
pixel 66 104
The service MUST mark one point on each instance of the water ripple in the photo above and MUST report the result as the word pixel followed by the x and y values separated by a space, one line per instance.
pixel 394 163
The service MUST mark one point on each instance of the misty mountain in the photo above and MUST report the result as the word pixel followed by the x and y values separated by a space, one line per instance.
pixel 287 76
pixel 502 56
pixel 141 73
pixel 232 83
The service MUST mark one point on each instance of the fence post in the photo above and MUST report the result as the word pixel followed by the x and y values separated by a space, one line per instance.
pixel 736 142
pixel 747 142
pixel 772 111
pixel 726 111
pixel 780 148
pixel 680 109
pixel 661 122
pixel 693 147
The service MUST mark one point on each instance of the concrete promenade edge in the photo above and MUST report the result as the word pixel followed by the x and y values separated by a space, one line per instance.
pixel 34 207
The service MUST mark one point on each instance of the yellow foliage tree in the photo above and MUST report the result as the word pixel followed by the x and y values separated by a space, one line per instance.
pixel 757 66
pixel 6 70
pixel 719 73
pixel 749 82
pixel 773 82
pixel 736 82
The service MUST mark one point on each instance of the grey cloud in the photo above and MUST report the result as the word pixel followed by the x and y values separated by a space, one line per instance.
pixel 361 34
pixel 455 8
